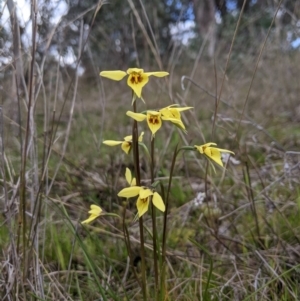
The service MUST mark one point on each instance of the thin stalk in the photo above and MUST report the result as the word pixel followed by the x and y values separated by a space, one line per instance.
pixel 22 219
pixel 163 273
pixel 154 236
pixel 247 179
pixel 206 178
pixel 54 129
pixel 71 112
pixel 128 245
pixel 256 64
pixel 217 101
pixel 136 162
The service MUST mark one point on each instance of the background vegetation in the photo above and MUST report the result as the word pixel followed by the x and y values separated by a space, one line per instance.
pixel 241 240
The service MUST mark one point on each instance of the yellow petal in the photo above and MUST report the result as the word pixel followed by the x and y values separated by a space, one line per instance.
pixel 133 182
pixel 128 138
pixel 145 192
pixel 154 113
pixel 169 116
pixel 165 112
pixel 174 112
pixel 208 144
pixel 134 98
pixel 214 154
pixel 126 146
pixel 91 218
pixel 201 148
pixel 136 81
pixel 224 150
pixel 176 106
pixel 134 70
pixel 142 206
pixel 114 75
pixel 182 109
pixel 112 142
pixel 158 202
pixel 94 213
pixel 177 122
pixel 141 137
pixel 171 113
pixel 154 121
pixel 95 209
pixel 129 192
pixel 136 116
pixel 128 176
pixel 157 73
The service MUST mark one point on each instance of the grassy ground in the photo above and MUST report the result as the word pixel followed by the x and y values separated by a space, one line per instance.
pixel 239 242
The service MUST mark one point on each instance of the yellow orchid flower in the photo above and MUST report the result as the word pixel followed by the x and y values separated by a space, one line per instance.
pixel 154 119
pixel 143 200
pixel 137 78
pixel 94 213
pixel 212 153
pixel 173 111
pixel 126 144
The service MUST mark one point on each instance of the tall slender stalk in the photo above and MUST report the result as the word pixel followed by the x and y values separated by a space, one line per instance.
pixel 28 133
pixel 154 235
pixel 247 180
pixel 127 243
pixel 136 162
pixel 164 240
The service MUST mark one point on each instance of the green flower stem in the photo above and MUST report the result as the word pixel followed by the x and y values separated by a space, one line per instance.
pixel 146 151
pixel 188 148
pixel 136 162
pixel 206 178
pixel 154 236
pixel 128 245
pixel 164 247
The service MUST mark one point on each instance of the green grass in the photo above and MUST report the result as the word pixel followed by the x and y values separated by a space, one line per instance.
pixel 83 261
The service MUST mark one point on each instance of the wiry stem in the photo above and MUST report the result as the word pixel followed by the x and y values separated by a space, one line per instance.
pixel 164 240
pixel 155 254
pixel 128 245
pixel 28 135
pixel 136 162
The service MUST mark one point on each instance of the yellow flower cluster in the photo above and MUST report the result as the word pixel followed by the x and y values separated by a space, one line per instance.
pixel 136 80
pixel 154 118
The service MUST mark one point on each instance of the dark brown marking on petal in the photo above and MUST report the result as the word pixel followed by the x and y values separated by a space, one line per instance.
pixel 136 78
pixel 153 119
pixel 144 200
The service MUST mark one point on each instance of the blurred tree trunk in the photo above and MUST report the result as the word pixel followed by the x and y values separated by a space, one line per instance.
pixel 240 4
pixel 222 7
pixel 204 11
